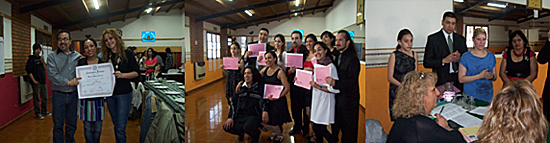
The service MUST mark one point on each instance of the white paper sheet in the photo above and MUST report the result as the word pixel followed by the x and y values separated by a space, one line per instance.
pixel 480 110
pixel 97 80
pixel 457 114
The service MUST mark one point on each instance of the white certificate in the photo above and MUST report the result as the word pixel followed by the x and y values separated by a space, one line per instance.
pixel 97 80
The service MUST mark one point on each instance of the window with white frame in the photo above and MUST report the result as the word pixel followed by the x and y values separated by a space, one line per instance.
pixel 470 33
pixel 213 45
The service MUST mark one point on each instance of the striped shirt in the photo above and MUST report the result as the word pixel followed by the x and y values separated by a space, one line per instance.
pixel 91 109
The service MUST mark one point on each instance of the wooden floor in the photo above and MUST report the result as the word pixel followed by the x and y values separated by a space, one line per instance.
pixel 206 110
pixel 28 129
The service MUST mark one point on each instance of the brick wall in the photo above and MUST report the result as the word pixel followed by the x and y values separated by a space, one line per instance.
pixel 196 40
pixel 459 24
pixel 21 40
pixel 223 42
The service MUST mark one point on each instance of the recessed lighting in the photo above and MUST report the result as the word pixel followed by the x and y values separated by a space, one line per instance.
pixel 499 5
pixel 149 10
pixel 459 0
pixel 96 4
pixel 248 12
pixel 295 14
pixel 297 2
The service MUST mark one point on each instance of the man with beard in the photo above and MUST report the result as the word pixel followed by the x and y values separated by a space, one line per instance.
pixel 297 94
pixel 347 101
pixel 61 72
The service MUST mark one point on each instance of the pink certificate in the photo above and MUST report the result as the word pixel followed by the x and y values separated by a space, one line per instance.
pixel 293 59
pixel 274 90
pixel 262 60
pixel 321 73
pixel 303 78
pixel 256 48
pixel 230 63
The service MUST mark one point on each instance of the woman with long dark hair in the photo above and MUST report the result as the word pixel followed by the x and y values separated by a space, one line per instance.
pixel 401 61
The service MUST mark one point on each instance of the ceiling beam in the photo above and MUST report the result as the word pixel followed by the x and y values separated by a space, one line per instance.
pixel 170 8
pixel 506 13
pixel 277 15
pixel 531 17
pixel 470 6
pixel 269 3
pixel 66 16
pixel 155 11
pixel 208 10
pixel 42 5
pixel 127 6
pixel 143 8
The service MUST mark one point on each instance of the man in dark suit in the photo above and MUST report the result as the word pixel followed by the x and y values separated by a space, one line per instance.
pixel 263 35
pixel 297 94
pixel 443 51
pixel 347 101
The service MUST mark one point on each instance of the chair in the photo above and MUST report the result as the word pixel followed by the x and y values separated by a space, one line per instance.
pixel 374 132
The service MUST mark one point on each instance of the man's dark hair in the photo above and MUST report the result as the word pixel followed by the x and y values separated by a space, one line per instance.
pixel 36 46
pixel 296 32
pixel 132 48
pixel 265 29
pixel 64 31
pixel 168 50
pixel 348 38
pixel 449 14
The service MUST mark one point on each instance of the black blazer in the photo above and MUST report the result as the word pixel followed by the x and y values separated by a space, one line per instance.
pixel 348 74
pixel 437 49
pixel 252 60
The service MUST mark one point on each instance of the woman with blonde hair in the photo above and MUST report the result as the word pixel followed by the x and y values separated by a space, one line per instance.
pixel 416 97
pixel 477 69
pixel 515 116
pixel 126 69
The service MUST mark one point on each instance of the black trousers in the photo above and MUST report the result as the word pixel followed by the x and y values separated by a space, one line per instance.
pixel 298 108
pixel 346 118
pixel 248 125
pixel 322 131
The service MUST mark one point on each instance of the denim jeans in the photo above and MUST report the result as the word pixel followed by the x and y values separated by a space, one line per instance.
pixel 39 92
pixel 92 131
pixel 119 108
pixel 64 107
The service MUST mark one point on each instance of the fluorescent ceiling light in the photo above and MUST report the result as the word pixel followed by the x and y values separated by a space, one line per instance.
pixel 295 14
pixel 96 4
pixel 297 2
pixel 149 10
pixel 497 5
pixel 459 0
pixel 248 12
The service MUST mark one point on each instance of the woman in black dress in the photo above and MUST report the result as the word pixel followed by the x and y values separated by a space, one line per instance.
pixel 233 76
pixel 277 109
pixel 401 61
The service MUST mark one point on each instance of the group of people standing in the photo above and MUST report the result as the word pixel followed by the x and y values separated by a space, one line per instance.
pixel 335 103
pixel 414 94
pixel 66 107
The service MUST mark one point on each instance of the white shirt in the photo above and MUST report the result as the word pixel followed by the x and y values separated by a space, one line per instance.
pixel 447 38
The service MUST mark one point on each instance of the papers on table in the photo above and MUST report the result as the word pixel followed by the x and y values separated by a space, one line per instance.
pixel 457 114
pixel 262 60
pixel 230 63
pixel 256 48
pixel 274 90
pixel 480 110
pixel 303 78
pixel 469 133
pixel 321 72
pixel 293 59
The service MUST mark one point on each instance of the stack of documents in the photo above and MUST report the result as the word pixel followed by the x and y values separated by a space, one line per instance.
pixel 469 133
pixel 457 114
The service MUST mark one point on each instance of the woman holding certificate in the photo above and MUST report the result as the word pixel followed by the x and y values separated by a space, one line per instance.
pixel 126 69
pixel 323 101
pixel 280 51
pixel 277 107
pixel 91 110
pixel 233 76
pixel 308 65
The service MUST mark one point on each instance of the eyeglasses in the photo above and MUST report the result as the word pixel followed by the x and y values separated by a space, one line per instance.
pixel 63 39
